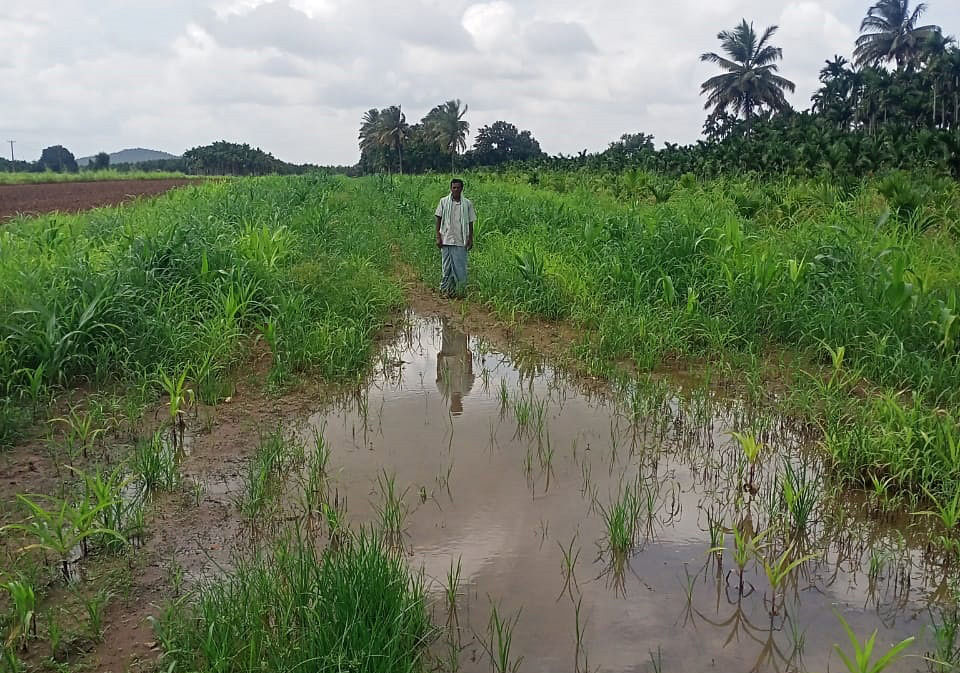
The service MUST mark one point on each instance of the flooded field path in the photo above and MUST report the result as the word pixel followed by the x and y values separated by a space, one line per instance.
pixel 619 529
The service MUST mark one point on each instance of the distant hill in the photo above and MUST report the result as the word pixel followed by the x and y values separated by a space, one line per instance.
pixel 131 156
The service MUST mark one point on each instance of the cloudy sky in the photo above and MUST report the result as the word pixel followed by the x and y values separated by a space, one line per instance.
pixel 294 76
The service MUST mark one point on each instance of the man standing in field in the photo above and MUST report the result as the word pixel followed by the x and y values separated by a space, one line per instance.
pixel 455 218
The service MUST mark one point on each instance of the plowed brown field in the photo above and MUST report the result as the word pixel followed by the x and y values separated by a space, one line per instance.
pixel 33 199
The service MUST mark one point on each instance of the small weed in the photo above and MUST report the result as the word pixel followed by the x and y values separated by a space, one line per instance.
pixel 620 518
pixel 24 618
pixel 860 662
pixel 751 449
pixel 392 511
pixel 500 641
pixel 155 462
pixel 452 590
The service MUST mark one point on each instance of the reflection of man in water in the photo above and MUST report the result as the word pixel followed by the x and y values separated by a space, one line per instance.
pixel 454 367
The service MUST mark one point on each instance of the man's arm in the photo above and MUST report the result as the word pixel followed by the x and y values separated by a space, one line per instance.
pixel 470 237
pixel 439 237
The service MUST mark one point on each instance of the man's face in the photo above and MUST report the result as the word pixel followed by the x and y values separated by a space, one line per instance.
pixel 456 189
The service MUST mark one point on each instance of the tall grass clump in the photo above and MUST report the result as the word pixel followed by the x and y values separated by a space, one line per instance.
pixel 183 283
pixel 356 608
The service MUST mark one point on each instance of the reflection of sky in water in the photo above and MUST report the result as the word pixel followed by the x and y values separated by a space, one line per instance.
pixel 504 499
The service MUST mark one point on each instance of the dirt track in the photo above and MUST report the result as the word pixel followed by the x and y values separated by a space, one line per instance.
pixel 33 199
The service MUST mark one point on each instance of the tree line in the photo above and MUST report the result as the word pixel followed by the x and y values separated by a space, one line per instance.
pixel 218 158
pixel 896 105
pixel 437 142
pixel 56 158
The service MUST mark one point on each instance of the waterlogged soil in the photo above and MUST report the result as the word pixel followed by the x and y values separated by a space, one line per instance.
pixel 508 468
pixel 70 197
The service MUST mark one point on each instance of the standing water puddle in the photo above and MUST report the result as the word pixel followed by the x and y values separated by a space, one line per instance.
pixel 511 470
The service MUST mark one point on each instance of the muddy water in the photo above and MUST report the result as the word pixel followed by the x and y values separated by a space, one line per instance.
pixel 503 464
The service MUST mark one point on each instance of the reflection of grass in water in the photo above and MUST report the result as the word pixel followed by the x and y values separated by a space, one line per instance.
pixel 656 660
pixel 530 414
pixel 945 625
pixel 539 411
pixel 579 626
pixel 778 569
pixel 522 412
pixel 504 395
pixel 356 608
pixel 570 558
pixel 751 449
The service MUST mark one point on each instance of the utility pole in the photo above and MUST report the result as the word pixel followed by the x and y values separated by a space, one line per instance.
pixel 11 149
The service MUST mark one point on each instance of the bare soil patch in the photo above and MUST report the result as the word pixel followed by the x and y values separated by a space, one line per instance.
pixel 70 197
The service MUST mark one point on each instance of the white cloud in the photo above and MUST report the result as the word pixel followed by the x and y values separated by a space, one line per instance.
pixel 492 24
pixel 294 76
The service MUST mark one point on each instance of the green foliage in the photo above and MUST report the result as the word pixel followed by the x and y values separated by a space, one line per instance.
pixel 57 159
pixel 223 158
pixel 100 162
pixel 178 284
pixel 27 177
pixel 860 661
pixel 734 266
pixel 64 526
pixel 353 608
pixel 387 142
pixel 155 464
pixel 23 599
pixel 750 80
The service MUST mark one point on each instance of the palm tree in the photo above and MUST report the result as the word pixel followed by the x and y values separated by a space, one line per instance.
pixel 370 129
pixel 750 80
pixel 834 69
pixel 894 34
pixel 394 130
pixel 372 154
pixel 447 127
pixel 836 99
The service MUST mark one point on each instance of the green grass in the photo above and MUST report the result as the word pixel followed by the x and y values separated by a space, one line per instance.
pixel 861 290
pixel 863 295
pixel 357 608
pixel 87 176
pixel 180 285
